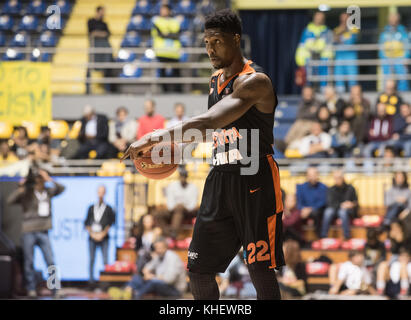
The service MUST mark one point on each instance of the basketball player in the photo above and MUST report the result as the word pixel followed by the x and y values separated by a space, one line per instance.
pixel 236 210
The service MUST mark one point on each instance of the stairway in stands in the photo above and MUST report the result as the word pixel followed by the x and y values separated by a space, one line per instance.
pixel 75 36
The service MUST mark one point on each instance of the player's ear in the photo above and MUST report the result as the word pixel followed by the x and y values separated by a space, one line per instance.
pixel 237 39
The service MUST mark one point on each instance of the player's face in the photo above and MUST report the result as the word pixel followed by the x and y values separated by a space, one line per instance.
pixel 221 47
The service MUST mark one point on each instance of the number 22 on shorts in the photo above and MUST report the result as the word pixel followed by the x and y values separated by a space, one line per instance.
pixel 261 248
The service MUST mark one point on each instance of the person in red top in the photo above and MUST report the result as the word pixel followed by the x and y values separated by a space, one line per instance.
pixel 150 121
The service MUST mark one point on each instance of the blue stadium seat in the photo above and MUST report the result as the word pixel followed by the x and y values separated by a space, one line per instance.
pixel 13 55
pixel 37 7
pixel 2 39
pixel 280 130
pixel 288 113
pixel 125 55
pixel 206 7
pixel 131 39
pixel 65 6
pixel 6 22
pixel 139 23
pixel 12 7
pixel 186 39
pixel 38 56
pixel 131 71
pixel 186 7
pixel 142 7
pixel 20 39
pixel 48 39
pixel 185 22
pixel 29 23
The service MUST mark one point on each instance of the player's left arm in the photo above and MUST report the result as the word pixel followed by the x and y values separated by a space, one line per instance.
pixel 249 90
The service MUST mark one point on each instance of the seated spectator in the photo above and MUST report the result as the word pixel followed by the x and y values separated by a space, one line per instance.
pixel 236 281
pixel 374 250
pixel 122 131
pixel 343 141
pixel 351 277
pixel 317 144
pixel 358 123
pixel 324 118
pixel 292 278
pixel 164 276
pixel 292 227
pixel 342 202
pixel 150 121
pixel 181 202
pixel 20 143
pixel 312 198
pixel 361 105
pixel 335 104
pixel 401 138
pixel 93 135
pixel 390 98
pixel 5 153
pixel 179 115
pixel 397 198
pixel 143 235
pixel 393 278
pixel 380 131
pixel 307 112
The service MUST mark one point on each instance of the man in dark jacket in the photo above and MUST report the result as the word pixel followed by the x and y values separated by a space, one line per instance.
pixel 35 198
pixel 342 202
pixel 93 135
pixel 100 217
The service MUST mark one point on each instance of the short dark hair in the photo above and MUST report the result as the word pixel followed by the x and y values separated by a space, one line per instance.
pixel 226 20
pixel 99 8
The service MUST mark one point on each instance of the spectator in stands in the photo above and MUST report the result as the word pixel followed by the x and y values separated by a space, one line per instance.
pixel 393 278
pixel 342 202
pixel 380 131
pixel 292 278
pixel 164 276
pixel 397 198
pixel 99 34
pixel 324 118
pixel 312 198
pixel 360 104
pixel 351 277
pixel 401 138
pixel 394 47
pixel 315 44
pixel 100 218
pixel 123 130
pixel 35 199
pixel 236 281
pixel 343 142
pixel 374 250
pixel 20 142
pixel 179 115
pixel 5 153
pixel 358 123
pixel 292 223
pixel 317 144
pixel 345 36
pixel 166 43
pixel 390 98
pixel 182 198
pixel 93 135
pixel 150 121
pixel 335 104
pixel 307 112
pixel 144 233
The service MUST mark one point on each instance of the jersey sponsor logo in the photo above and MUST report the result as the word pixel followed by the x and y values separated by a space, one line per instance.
pixel 220 138
pixel 230 156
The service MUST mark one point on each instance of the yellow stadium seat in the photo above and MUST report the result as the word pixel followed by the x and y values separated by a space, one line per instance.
pixel 6 130
pixel 58 129
pixel 292 153
pixel 33 129
pixel 203 150
pixel 75 130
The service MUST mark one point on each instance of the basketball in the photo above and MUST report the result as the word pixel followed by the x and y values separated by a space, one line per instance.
pixel 160 162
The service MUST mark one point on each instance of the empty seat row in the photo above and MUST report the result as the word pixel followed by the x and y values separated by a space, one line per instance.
pixel 35 7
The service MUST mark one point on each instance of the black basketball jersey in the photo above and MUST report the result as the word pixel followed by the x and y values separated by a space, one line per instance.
pixel 233 142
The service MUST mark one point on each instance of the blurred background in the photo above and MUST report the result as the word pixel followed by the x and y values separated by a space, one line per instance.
pixel 82 79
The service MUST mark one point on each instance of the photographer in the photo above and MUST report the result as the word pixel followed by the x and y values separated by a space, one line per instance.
pixel 35 199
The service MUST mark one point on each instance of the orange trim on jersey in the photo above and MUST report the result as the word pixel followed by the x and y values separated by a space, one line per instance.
pixel 246 69
pixel 272 224
pixel 272 221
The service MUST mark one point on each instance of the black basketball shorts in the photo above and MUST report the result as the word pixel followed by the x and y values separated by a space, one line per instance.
pixel 239 210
